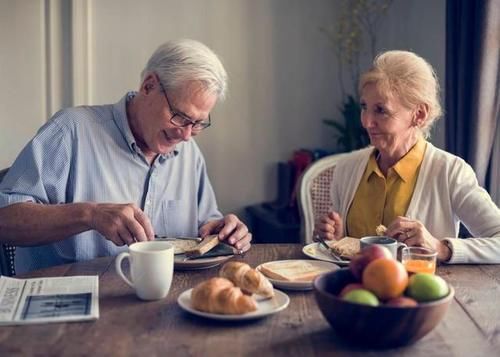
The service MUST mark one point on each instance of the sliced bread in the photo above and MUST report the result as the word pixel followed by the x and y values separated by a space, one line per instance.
pixel 292 270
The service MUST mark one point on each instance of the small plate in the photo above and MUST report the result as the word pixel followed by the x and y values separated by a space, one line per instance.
pixel 317 251
pixel 265 307
pixel 300 285
pixel 181 263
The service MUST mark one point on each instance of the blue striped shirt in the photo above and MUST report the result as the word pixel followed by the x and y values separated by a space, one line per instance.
pixel 87 154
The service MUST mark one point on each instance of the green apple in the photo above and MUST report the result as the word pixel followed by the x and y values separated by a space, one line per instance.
pixel 362 296
pixel 427 287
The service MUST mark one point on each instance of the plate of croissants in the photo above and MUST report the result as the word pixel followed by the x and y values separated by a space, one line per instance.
pixel 238 293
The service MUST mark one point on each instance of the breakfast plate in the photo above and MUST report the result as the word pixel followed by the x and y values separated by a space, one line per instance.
pixel 318 252
pixel 322 266
pixel 181 262
pixel 265 307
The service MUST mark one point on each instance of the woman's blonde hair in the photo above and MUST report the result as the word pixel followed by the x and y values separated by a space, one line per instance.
pixel 410 78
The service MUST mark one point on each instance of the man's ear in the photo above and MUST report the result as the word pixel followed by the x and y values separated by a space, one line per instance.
pixel 148 84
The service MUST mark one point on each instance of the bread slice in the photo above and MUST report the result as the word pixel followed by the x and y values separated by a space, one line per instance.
pixel 346 247
pixel 182 245
pixel 292 270
pixel 206 244
pixel 380 230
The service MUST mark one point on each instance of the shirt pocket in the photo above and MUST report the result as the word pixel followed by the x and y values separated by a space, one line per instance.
pixel 178 220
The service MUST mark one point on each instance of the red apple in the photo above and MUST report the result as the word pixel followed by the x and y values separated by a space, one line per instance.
pixel 402 301
pixel 349 287
pixel 366 256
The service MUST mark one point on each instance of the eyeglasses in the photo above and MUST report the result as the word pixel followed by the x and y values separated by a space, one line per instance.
pixel 182 120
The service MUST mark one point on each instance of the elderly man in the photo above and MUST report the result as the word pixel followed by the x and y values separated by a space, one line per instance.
pixel 97 178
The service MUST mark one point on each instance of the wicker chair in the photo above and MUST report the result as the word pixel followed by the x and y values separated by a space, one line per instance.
pixel 314 194
pixel 7 251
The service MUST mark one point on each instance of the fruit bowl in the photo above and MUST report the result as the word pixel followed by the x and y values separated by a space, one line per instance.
pixel 375 326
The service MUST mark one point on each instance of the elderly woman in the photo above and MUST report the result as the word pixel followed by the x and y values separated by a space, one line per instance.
pixel 402 181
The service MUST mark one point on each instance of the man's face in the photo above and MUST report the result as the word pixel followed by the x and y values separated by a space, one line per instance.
pixel 156 131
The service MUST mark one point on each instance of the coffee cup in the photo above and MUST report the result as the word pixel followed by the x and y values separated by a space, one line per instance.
pixel 390 243
pixel 151 268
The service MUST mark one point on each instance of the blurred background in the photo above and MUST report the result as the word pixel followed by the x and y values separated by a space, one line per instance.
pixel 282 71
pixel 286 73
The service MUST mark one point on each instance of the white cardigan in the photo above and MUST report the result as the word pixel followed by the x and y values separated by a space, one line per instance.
pixel 446 193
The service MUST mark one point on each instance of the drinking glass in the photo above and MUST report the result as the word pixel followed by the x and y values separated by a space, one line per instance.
pixel 419 260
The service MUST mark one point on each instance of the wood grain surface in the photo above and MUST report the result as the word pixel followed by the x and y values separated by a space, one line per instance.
pixel 130 327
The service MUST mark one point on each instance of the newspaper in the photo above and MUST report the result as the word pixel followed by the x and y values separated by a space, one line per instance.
pixel 41 300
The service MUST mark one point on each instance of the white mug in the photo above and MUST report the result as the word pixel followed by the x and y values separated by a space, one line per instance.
pixel 390 243
pixel 151 268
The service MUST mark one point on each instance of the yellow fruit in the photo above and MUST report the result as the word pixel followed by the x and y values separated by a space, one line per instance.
pixel 361 296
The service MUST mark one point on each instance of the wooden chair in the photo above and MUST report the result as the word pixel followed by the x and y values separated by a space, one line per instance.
pixel 7 251
pixel 314 194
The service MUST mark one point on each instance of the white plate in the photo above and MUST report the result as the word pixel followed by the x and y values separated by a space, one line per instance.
pixel 317 251
pixel 181 263
pixel 300 285
pixel 265 307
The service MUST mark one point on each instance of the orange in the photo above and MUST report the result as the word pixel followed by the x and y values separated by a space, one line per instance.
pixel 386 277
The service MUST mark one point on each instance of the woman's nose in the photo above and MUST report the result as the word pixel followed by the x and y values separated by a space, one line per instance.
pixel 366 119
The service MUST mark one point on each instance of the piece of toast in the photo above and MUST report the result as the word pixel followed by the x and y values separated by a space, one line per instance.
pixel 380 230
pixel 346 248
pixel 206 244
pixel 297 270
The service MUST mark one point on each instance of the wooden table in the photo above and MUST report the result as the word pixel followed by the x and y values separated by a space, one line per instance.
pixel 128 326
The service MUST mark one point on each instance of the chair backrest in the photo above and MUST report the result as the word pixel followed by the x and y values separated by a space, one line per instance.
pixel 314 194
pixel 7 251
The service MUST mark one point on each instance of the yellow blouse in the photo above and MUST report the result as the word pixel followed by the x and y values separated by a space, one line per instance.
pixel 379 199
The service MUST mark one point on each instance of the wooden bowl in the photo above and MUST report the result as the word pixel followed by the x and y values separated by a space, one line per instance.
pixel 380 326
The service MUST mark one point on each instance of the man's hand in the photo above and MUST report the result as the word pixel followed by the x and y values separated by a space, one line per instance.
pixel 413 233
pixel 329 227
pixel 121 223
pixel 231 229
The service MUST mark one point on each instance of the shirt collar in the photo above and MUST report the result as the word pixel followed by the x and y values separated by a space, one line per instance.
pixel 121 120
pixel 408 166
pixel 405 168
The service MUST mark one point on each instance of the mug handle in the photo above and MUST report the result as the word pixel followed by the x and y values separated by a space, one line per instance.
pixel 401 245
pixel 118 266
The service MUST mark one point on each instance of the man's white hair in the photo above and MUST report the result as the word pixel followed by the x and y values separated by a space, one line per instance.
pixel 180 61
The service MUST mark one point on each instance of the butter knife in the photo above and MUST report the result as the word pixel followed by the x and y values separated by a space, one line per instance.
pixel 321 241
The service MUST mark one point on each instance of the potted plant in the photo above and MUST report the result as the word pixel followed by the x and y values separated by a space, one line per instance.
pixel 355 30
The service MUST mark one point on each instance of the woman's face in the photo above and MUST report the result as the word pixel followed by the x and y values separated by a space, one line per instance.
pixel 389 124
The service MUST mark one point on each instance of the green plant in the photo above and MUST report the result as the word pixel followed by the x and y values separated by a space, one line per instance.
pixel 350 134
pixel 355 29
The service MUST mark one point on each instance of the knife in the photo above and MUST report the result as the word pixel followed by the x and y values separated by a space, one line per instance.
pixel 320 240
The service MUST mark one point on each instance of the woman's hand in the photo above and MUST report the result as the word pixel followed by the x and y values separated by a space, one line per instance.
pixel 413 233
pixel 329 227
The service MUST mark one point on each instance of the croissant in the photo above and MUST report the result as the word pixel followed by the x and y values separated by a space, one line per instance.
pixel 220 296
pixel 249 280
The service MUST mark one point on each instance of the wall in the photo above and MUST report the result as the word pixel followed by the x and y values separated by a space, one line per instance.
pixel 22 70
pixel 281 68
